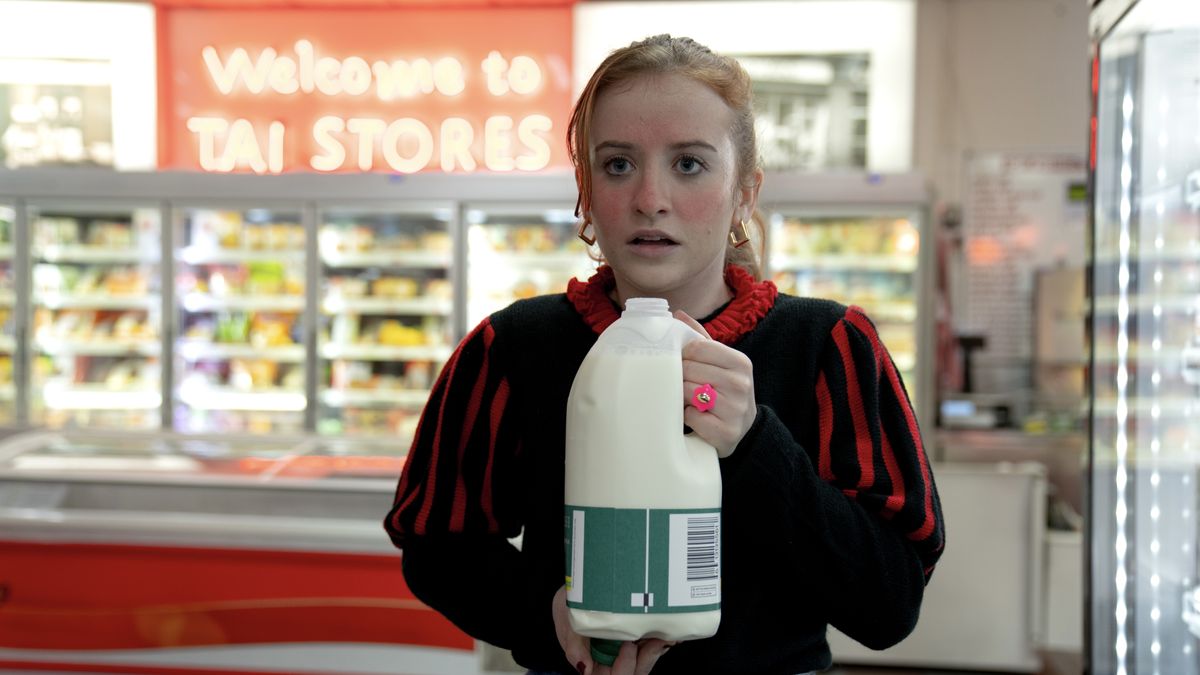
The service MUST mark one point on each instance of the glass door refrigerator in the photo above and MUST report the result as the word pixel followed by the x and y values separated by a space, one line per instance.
pixel 239 300
pixel 519 251
pixel 865 255
pixel 387 316
pixel 96 304
pixel 1144 334
pixel 8 341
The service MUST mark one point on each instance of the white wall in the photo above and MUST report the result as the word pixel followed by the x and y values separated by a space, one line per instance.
pixel 988 75
pixel 996 75
pixel 881 28
pixel 95 43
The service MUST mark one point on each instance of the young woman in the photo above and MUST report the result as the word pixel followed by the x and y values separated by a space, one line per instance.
pixel 830 514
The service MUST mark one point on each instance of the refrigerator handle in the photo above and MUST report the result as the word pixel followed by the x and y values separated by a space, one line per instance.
pixel 169 321
pixel 312 313
pixel 22 312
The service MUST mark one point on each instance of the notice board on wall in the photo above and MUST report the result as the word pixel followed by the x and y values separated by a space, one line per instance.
pixel 1024 212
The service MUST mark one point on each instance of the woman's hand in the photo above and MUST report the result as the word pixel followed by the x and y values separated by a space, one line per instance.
pixel 731 374
pixel 635 658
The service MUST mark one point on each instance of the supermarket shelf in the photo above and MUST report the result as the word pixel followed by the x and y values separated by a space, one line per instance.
pixel 104 347
pixel 94 301
pixel 1175 255
pixel 7 298
pixel 1175 302
pixel 1138 356
pixel 385 352
pixel 7 252
pixel 93 254
pixel 558 259
pixel 8 392
pixel 98 397
pixel 422 306
pixel 8 344
pixel 905 362
pixel 194 255
pixel 207 397
pixel 196 350
pixel 340 398
pixel 386 258
pixel 203 302
pixel 1168 407
pixel 849 263
pixel 881 312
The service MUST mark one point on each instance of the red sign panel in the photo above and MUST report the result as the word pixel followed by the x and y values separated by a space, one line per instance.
pixel 391 90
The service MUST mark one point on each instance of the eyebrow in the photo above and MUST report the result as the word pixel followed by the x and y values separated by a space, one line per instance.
pixel 620 145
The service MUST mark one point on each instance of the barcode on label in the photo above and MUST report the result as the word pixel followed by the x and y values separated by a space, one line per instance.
pixel 702 532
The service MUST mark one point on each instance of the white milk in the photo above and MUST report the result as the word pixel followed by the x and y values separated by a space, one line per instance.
pixel 637 487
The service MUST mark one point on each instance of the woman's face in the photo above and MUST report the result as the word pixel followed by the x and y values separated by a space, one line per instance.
pixel 664 188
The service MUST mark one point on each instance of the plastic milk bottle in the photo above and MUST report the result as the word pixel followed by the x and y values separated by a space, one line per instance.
pixel 643 500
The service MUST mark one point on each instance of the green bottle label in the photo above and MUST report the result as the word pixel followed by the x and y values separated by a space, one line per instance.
pixel 644 561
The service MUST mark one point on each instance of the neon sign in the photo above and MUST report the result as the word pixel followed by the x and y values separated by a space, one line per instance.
pixel 402 144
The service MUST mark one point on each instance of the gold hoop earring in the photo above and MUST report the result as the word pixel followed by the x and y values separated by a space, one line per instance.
pixel 583 226
pixel 733 235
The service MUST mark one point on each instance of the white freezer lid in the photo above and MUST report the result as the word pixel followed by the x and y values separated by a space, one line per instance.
pixel 299 493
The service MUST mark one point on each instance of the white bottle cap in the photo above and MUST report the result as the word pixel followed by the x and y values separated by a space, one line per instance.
pixel 647 307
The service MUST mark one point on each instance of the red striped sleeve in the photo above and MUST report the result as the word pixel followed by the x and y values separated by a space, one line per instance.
pixel 825 426
pixel 858 416
pixel 458 510
pixel 495 415
pixel 859 320
pixel 427 483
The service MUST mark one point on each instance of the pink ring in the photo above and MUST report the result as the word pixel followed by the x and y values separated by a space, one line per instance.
pixel 704 397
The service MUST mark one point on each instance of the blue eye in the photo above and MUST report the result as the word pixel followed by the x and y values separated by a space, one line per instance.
pixel 689 165
pixel 618 166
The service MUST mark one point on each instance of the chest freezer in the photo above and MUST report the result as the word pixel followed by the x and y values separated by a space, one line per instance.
pixel 163 550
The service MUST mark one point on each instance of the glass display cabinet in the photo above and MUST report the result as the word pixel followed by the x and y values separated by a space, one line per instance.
pixel 865 259
pixel 862 240
pixel 1145 339
pixel 96 308
pixel 240 302
pixel 387 316
pixel 519 251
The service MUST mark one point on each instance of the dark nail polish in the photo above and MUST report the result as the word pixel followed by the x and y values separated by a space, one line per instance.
pixel 581 668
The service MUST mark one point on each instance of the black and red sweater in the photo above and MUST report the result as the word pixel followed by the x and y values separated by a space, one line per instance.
pixel 830 515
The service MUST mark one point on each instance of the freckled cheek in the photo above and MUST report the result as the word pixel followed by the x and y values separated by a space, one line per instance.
pixel 706 212
pixel 608 205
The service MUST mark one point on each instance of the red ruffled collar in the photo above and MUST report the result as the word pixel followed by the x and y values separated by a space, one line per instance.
pixel 751 302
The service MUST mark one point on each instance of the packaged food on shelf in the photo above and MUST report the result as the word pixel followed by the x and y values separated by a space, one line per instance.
pixel 110 234
pixel 440 289
pixel 271 330
pixel 394 287
pixel 8 220
pixel 210 230
pixel 434 240
pixel 55 231
pixel 395 333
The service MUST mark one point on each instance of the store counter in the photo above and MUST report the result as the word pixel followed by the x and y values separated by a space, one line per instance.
pixel 157 550
pixel 1004 591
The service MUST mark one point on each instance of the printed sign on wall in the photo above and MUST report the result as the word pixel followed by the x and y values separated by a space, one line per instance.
pixel 396 90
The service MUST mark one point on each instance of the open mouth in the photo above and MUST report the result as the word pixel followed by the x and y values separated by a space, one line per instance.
pixel 652 240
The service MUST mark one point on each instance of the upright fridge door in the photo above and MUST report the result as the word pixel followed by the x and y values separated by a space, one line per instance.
pixel 8 343
pixel 864 259
pixel 96 300
pixel 386 326
pixel 519 251
pixel 1145 342
pixel 240 302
